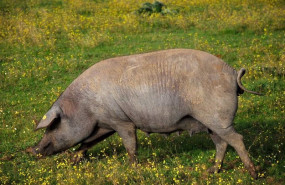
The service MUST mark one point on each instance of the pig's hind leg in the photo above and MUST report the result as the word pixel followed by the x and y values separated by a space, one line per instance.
pixel 218 117
pixel 194 126
pixel 236 140
pixel 230 136
pixel 221 147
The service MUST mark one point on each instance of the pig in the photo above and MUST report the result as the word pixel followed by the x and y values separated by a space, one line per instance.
pixel 158 92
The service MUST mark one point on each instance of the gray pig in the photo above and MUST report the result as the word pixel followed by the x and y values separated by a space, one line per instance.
pixel 158 92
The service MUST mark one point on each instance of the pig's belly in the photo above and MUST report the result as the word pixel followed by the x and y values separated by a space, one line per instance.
pixel 155 111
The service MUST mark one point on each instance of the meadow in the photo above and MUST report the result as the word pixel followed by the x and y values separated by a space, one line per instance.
pixel 45 45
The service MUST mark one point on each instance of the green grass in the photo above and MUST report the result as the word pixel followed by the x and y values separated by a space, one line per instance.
pixel 44 46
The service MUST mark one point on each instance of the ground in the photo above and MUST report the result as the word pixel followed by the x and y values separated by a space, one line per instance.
pixel 45 45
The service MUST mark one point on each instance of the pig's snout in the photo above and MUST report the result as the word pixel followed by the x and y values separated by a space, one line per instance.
pixel 31 150
pixel 40 151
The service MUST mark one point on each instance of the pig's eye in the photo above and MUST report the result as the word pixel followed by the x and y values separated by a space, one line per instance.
pixel 54 124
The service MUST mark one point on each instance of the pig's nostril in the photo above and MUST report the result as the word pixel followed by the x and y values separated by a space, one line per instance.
pixel 48 145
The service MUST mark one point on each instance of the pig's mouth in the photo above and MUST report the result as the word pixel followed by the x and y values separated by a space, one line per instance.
pixel 39 151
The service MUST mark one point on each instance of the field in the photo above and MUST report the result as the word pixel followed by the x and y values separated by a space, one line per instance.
pixel 45 45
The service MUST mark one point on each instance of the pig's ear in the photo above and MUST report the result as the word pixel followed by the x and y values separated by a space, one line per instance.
pixel 49 118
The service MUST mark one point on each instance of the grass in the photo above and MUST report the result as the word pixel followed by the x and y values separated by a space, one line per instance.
pixel 44 46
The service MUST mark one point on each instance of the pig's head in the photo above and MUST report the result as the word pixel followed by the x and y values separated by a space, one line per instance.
pixel 61 133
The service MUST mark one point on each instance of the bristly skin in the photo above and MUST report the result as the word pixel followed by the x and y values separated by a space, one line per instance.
pixel 157 92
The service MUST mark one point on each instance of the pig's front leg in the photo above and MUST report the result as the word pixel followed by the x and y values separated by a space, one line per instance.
pixel 98 135
pixel 127 132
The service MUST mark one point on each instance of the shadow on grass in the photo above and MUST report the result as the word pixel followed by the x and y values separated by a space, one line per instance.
pixel 264 141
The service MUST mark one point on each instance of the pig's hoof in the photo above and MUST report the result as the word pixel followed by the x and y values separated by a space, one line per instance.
pixel 133 161
pixel 213 169
pixel 252 173
pixel 251 170
pixel 78 157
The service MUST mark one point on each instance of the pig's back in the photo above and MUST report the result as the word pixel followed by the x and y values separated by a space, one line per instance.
pixel 157 89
